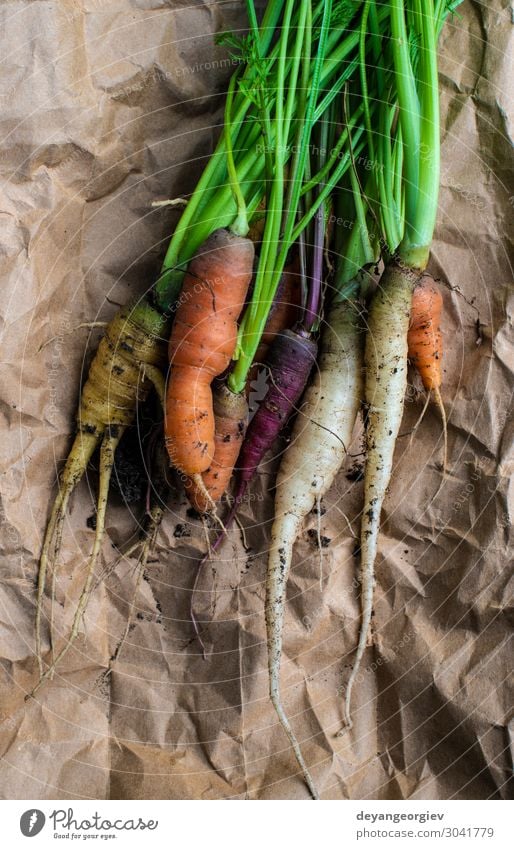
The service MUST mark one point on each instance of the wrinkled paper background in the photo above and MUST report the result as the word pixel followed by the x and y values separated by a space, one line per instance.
pixel 106 108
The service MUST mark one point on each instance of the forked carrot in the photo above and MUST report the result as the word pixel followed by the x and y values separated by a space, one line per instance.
pixel 122 373
pixel 385 360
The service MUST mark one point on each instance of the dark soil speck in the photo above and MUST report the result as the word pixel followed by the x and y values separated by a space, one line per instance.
pixel 181 531
pixel 323 541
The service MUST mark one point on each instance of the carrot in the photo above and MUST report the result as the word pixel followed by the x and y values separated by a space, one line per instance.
pixel 319 442
pixel 385 361
pixel 202 343
pixel 425 342
pixel 227 194
pixel 407 151
pixel 124 369
pixel 230 415
pixel 290 361
pixel 424 337
pixel 282 315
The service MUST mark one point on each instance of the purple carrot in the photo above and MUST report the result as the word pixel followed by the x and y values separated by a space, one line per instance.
pixel 290 361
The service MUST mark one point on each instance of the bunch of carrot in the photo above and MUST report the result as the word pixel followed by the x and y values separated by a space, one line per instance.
pixel 341 83
pixel 271 108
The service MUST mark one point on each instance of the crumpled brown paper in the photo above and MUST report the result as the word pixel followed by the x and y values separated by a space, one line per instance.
pixel 106 108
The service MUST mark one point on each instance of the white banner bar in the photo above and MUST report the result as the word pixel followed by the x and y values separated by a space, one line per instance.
pixel 256 825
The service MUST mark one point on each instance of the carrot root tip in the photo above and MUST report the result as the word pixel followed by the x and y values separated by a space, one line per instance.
pixel 440 405
pixel 76 464
pixel 284 721
pixel 348 724
pixel 154 520
pixel 199 483
pixel 107 449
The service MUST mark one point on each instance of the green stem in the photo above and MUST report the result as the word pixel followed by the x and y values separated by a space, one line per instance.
pixel 273 218
pixel 269 273
pixel 409 112
pixel 212 204
pixel 348 291
pixel 320 176
pixel 219 213
pixel 364 79
pixel 429 167
pixel 240 225
pixel 217 163
pixel 263 106
pixel 301 107
pixel 309 120
pixel 323 195
pixel 300 51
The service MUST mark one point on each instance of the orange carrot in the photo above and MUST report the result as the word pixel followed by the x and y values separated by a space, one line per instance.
pixel 201 346
pixel 425 341
pixel 230 414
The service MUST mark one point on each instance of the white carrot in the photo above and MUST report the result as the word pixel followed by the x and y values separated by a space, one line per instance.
pixel 385 360
pixel 318 446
